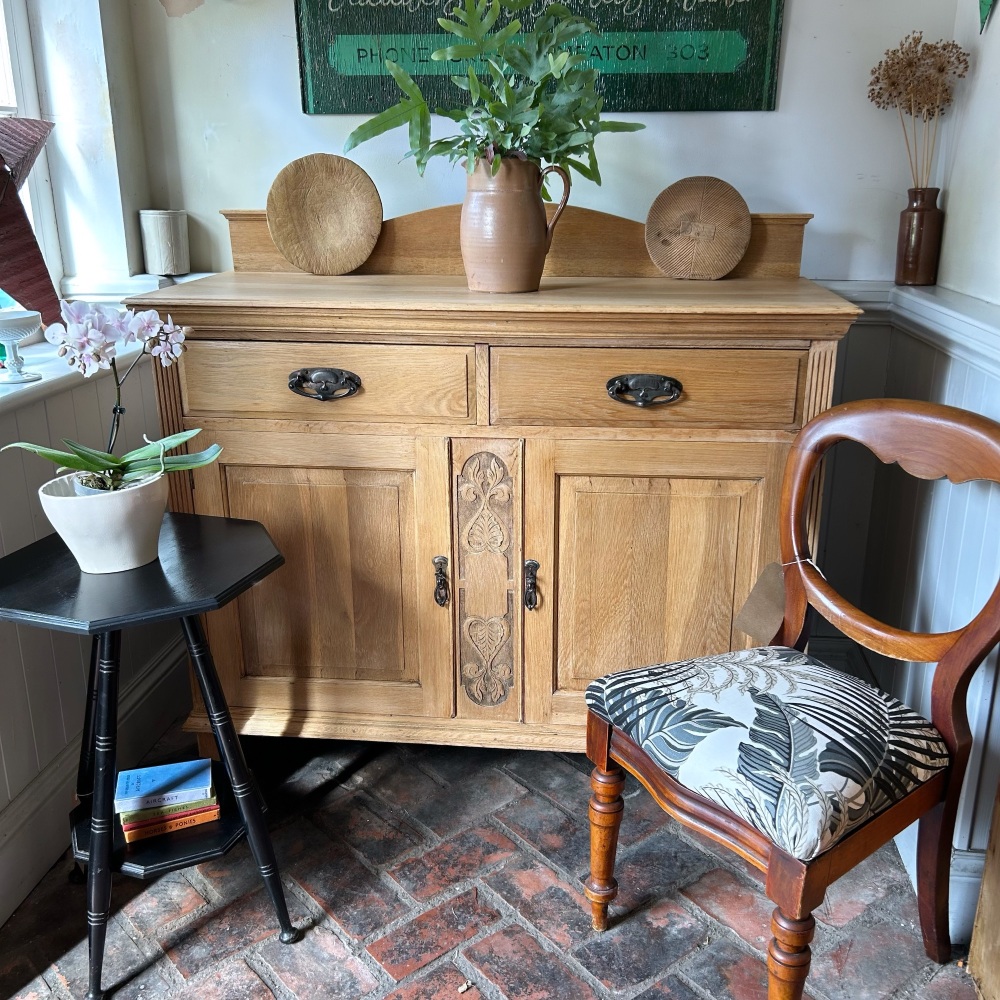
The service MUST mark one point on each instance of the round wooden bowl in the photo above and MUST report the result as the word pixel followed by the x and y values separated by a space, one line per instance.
pixel 698 228
pixel 324 214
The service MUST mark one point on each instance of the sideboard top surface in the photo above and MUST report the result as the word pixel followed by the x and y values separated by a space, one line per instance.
pixel 448 294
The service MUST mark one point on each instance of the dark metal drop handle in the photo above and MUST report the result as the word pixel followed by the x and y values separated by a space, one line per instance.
pixel 644 390
pixel 530 584
pixel 441 594
pixel 324 384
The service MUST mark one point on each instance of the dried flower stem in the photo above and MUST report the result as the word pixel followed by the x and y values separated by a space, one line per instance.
pixel 909 151
pixel 917 79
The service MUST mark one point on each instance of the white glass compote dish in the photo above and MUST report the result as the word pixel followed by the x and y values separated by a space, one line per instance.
pixel 15 325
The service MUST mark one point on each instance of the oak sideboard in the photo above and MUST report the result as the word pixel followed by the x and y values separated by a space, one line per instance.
pixel 480 518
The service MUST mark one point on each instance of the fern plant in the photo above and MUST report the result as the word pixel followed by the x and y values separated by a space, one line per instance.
pixel 525 94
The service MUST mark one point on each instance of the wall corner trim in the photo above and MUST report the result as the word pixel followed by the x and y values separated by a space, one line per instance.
pixel 959 325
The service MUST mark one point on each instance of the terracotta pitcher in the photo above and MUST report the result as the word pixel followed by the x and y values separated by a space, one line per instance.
pixel 505 235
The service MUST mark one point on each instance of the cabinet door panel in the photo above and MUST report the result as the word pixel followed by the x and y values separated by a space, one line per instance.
pixel 648 550
pixel 660 585
pixel 348 624
pixel 341 609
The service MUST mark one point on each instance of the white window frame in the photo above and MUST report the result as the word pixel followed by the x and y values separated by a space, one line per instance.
pixel 39 185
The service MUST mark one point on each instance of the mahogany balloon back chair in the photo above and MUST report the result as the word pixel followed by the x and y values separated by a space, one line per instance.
pixel 801 769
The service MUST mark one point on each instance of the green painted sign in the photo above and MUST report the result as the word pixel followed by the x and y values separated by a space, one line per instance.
pixel 985 7
pixel 654 55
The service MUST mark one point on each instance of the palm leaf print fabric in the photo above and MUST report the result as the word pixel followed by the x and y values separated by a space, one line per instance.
pixel 801 751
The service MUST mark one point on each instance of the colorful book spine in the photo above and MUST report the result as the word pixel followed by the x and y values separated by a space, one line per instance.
pixel 139 824
pixel 163 785
pixel 161 812
pixel 171 824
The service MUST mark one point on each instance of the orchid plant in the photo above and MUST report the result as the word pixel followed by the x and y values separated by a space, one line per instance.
pixel 89 338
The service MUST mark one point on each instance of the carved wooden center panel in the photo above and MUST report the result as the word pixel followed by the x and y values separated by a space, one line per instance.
pixel 487 510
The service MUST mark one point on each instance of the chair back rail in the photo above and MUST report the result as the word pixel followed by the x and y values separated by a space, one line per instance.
pixel 929 441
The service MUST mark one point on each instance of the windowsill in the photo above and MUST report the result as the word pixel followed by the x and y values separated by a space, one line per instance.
pixel 57 376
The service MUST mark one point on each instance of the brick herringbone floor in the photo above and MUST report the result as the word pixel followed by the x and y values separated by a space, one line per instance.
pixel 427 872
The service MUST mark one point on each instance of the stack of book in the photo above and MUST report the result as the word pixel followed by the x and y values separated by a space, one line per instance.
pixel 155 800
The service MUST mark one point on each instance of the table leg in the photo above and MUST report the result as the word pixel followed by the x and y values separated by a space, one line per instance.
pixel 85 773
pixel 236 767
pixel 102 807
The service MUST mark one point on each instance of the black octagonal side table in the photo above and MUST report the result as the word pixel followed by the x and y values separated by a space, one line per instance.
pixel 204 563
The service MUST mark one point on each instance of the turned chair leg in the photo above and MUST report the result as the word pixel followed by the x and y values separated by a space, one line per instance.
pixel 788 956
pixel 934 838
pixel 606 808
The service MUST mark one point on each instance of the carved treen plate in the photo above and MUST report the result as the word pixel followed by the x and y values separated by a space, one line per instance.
pixel 698 228
pixel 324 214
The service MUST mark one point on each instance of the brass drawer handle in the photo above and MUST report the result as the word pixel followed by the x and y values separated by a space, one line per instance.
pixel 441 594
pixel 324 384
pixel 644 390
pixel 530 584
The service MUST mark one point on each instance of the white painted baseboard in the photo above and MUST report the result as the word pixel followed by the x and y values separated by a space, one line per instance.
pixel 34 827
pixel 966 878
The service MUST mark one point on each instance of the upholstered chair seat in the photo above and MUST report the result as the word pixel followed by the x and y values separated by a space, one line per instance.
pixel 800 751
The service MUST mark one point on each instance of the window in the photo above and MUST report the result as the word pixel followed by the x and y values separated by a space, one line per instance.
pixel 19 96
pixel 8 105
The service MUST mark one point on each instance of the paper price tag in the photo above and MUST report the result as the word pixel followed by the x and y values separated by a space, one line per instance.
pixel 764 610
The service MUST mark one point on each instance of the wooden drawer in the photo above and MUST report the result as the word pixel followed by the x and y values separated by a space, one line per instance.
pixel 413 383
pixel 730 388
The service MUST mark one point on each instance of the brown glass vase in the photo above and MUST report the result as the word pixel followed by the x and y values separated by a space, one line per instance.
pixel 919 245
pixel 505 234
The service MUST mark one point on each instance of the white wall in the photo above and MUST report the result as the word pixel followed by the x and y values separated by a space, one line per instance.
pixel 219 91
pixel 970 260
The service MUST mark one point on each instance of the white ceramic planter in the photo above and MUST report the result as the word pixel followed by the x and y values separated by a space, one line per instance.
pixel 107 532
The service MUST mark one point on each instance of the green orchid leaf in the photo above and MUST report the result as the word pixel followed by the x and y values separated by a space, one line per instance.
pixel 66 459
pixel 102 458
pixel 174 463
pixel 153 450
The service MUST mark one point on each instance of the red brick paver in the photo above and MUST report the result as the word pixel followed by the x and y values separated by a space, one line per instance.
pixel 642 947
pixel 232 980
pixel 227 931
pixel 730 900
pixel 559 910
pixel 517 965
pixel 454 860
pixel 444 981
pixel 432 934
pixel 319 967
pixel 165 901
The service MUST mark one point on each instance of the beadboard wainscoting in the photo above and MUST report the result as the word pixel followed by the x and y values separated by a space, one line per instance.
pixel 923 555
pixel 43 674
